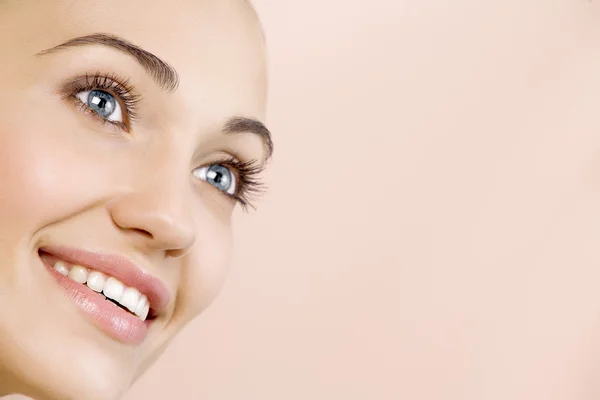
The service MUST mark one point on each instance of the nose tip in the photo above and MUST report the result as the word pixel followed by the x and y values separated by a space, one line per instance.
pixel 155 225
pixel 167 234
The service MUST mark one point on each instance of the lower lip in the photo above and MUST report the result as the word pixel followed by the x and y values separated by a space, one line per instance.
pixel 108 317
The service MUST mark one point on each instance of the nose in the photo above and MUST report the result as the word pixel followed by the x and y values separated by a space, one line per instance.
pixel 156 219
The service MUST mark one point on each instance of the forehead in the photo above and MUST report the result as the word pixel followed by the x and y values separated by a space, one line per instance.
pixel 216 46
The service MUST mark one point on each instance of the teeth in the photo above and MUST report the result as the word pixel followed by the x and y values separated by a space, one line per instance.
pixel 96 281
pixel 129 297
pixel 140 309
pixel 78 274
pixel 113 289
pixel 61 268
pixel 145 313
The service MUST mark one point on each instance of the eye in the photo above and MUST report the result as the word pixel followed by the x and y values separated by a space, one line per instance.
pixel 102 103
pixel 218 176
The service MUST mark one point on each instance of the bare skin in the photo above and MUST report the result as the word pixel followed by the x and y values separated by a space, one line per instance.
pixel 132 186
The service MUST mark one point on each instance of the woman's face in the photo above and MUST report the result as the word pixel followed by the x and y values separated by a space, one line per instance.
pixel 129 131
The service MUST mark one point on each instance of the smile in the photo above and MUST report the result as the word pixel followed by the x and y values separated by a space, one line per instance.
pixel 126 297
pixel 116 295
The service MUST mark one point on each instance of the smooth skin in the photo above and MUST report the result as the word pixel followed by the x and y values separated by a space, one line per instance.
pixel 69 179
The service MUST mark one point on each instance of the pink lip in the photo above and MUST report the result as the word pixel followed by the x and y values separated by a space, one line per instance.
pixel 120 268
pixel 117 323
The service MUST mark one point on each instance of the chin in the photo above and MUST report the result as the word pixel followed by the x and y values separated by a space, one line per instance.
pixel 48 362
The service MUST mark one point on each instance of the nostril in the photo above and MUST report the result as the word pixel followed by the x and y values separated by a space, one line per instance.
pixel 143 232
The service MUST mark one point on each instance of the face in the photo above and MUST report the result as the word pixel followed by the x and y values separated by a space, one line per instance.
pixel 129 133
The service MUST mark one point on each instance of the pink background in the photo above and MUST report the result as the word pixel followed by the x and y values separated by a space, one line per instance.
pixel 431 229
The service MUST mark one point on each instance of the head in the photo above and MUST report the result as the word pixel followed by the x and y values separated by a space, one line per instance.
pixel 129 133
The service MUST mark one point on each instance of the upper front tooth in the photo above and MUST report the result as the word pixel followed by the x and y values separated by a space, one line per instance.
pixel 61 268
pixel 113 289
pixel 131 298
pixel 78 274
pixel 141 305
pixel 96 281
pixel 145 312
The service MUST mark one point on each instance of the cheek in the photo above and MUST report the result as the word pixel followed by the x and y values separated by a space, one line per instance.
pixel 205 268
pixel 50 169
pixel 30 173
pixel 37 181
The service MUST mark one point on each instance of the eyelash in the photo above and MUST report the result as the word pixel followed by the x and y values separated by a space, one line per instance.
pixel 247 178
pixel 247 173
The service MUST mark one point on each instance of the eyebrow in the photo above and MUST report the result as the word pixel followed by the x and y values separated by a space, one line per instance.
pixel 166 77
pixel 243 125
pixel 163 74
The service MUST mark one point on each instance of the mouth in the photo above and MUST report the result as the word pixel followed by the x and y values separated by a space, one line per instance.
pixel 125 297
pixel 119 297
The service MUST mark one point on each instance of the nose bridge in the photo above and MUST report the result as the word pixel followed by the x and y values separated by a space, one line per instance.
pixel 156 206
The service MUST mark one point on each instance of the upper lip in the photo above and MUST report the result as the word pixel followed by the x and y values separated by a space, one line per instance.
pixel 119 267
